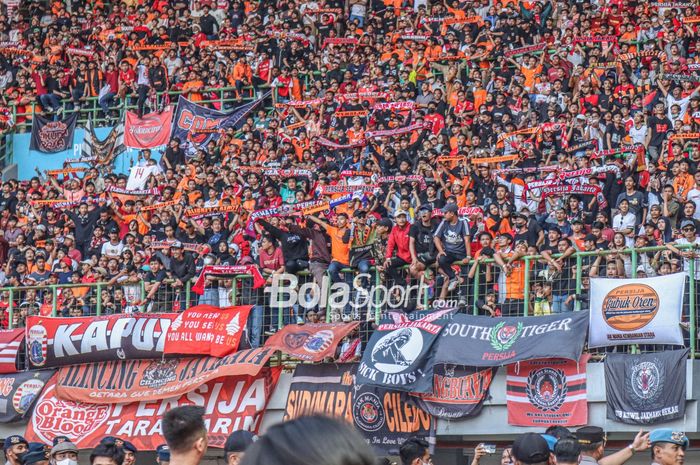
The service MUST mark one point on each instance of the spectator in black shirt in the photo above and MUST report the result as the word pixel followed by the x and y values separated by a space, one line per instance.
pixel 156 289
pixel 182 268
pixel 295 248
pixel 174 157
pixel 208 24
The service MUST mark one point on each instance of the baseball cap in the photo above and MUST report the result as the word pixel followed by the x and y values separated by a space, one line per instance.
pixel 60 439
pixel 668 435
pixel 34 457
pixel 685 223
pixel 129 447
pixel 163 452
pixel 450 208
pixel 239 441
pixel 531 448
pixel 14 440
pixel 65 446
pixel 590 237
pixel 176 245
pixel 398 213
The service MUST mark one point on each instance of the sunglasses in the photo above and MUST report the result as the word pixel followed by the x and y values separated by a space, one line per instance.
pixel 688 228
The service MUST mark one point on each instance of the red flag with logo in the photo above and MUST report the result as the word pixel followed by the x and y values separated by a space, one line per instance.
pixel 207 330
pixel 547 392
pixel 153 130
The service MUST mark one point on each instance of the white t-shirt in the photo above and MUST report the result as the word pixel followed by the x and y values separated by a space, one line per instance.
pixel 111 250
pixel 639 135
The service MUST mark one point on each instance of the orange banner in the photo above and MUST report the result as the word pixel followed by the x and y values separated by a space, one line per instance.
pixel 121 381
pixel 231 404
pixel 311 342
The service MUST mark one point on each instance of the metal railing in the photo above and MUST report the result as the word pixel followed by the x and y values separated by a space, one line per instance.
pixel 483 289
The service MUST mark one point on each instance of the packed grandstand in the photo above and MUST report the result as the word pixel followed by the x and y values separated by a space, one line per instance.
pixel 318 178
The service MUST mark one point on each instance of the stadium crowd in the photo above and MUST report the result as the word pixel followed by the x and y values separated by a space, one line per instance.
pixel 449 139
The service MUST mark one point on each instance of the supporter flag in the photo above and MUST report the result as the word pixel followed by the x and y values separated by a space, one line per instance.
pixel 387 418
pixel 458 391
pixel 312 342
pixel 636 311
pixel 321 389
pixel 120 381
pixel 19 391
pixel 191 118
pixel 646 389
pixel 547 392
pixel 153 130
pixel 10 342
pixel 207 330
pixel 104 150
pixel 400 353
pixel 475 340
pixel 52 136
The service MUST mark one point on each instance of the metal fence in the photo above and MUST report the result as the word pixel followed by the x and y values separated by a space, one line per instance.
pixel 530 285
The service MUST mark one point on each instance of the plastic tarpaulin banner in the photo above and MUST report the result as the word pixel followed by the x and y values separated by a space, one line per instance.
pixel 207 330
pixel 547 392
pixel 10 342
pixel 230 403
pixel 153 130
pixel 473 340
pixel 141 380
pixel 53 342
pixel 636 311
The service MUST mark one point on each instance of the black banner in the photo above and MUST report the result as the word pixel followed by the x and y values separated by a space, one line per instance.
pixel 19 391
pixel 400 353
pixel 52 136
pixel 646 389
pixel 387 418
pixel 485 341
pixel 458 392
pixel 324 389
pixel 55 342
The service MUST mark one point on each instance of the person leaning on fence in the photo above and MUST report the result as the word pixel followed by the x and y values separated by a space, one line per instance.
pixel 452 241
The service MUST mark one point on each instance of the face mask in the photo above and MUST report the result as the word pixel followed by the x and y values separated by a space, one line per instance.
pixel 67 462
pixel 21 455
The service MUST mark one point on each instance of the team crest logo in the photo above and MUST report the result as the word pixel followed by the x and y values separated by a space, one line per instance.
pixel 158 374
pixel 546 389
pixel 319 342
pixel 25 395
pixel 296 340
pixel 646 381
pixel 369 412
pixel 395 352
pixel 37 345
pixel 504 336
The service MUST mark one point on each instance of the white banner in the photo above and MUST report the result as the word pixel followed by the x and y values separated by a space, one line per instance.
pixel 636 311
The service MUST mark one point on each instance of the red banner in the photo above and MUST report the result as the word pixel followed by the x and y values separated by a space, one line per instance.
pixel 231 404
pixel 207 330
pixel 547 392
pixel 153 130
pixel 10 341
pixel 122 381
pixel 53 342
pixel 312 342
